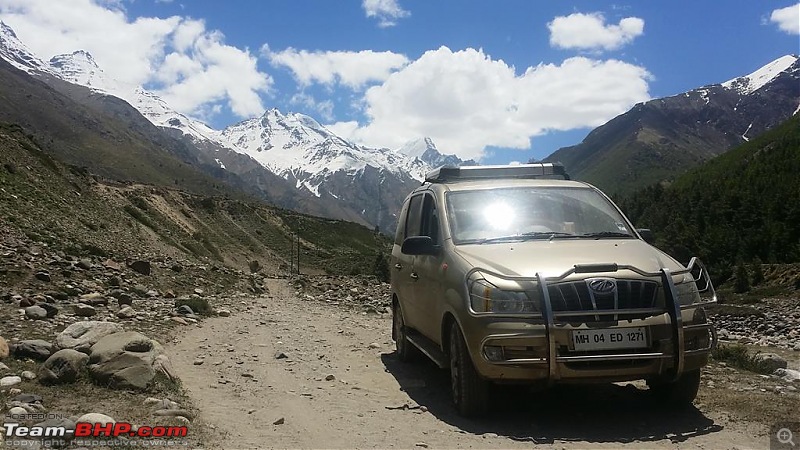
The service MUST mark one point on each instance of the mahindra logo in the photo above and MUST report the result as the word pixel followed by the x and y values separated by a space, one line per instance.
pixel 602 285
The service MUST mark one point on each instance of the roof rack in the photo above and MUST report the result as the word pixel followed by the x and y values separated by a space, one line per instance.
pixel 446 174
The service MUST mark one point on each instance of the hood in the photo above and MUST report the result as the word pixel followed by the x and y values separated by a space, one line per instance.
pixel 524 259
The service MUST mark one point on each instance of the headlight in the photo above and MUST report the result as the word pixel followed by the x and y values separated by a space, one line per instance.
pixel 487 298
pixel 687 291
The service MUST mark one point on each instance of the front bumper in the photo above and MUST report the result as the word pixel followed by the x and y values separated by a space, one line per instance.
pixel 679 338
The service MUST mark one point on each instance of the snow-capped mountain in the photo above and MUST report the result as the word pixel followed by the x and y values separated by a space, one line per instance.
pixel 659 139
pixel 750 83
pixel 295 145
pixel 425 150
pixel 362 183
pixel 17 54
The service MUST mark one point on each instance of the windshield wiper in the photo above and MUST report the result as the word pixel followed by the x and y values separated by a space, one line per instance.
pixel 526 236
pixel 604 234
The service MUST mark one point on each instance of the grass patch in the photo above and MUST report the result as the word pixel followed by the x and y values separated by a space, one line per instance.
pixel 737 355
pixel 139 217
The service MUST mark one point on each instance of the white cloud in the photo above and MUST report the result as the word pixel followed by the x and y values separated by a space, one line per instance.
pixel 323 108
pixel 352 69
pixel 467 101
pixel 590 32
pixel 386 11
pixel 787 19
pixel 190 66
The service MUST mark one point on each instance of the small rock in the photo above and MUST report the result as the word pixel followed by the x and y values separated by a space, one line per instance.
pixel 126 313
pixel 198 291
pixel 185 310
pixel 330 377
pixel 421 444
pixel 52 311
pixel 198 362
pixel 10 381
pixel 179 320
pixel 374 346
pixel 85 264
pixel 96 418
pixel 3 367
pixel 281 355
pixel 36 313
pixel 26 302
pixel 141 267
pixel 17 413
pixel 28 375
pixel 83 310
pixel 223 313
pixel 124 299
pixel 4 351
pixel 280 421
pixel 43 276
pixel 170 294
pixel 34 349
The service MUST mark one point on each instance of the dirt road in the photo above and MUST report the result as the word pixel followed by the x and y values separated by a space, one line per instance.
pixel 340 385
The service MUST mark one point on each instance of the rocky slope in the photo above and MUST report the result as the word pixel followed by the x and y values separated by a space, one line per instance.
pixel 664 137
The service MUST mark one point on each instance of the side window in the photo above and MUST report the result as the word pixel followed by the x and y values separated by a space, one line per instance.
pixel 414 218
pixel 430 219
pixel 400 233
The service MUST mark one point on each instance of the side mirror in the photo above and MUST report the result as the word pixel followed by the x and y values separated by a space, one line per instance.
pixel 419 245
pixel 647 235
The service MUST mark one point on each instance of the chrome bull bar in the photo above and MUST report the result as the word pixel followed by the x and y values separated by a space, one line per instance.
pixel 672 307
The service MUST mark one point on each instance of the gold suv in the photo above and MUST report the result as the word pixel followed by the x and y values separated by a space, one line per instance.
pixel 516 274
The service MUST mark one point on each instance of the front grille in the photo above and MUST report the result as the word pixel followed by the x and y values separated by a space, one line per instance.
pixel 577 296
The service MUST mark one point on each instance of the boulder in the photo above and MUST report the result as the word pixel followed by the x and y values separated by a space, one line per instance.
pixel 125 360
pixel 4 351
pixel 63 366
pixel 81 336
pixel 771 361
pixel 34 349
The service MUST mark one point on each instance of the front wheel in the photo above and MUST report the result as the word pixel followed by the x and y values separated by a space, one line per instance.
pixel 679 393
pixel 406 351
pixel 470 391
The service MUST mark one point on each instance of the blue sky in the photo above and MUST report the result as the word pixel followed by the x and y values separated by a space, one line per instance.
pixel 503 80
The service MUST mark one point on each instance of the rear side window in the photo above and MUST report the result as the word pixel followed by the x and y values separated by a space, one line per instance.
pixel 400 233
pixel 414 218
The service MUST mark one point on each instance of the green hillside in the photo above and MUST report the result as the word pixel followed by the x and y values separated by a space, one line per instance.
pixel 72 210
pixel 740 207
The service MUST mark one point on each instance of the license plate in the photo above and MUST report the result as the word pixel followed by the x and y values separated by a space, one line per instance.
pixel 619 338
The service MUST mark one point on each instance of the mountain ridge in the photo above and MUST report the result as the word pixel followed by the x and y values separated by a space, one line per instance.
pixel 659 139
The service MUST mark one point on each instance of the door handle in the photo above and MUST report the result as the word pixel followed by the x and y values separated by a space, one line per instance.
pixel 398 266
pixel 414 276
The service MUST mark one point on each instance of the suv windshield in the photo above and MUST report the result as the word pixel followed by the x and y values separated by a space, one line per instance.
pixel 522 213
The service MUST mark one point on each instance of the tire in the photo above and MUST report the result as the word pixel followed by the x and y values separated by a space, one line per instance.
pixel 406 351
pixel 678 394
pixel 470 391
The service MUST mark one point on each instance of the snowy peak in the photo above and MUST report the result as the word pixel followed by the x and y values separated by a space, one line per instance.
pixel 79 67
pixel 425 150
pixel 750 83
pixel 417 147
pixel 17 53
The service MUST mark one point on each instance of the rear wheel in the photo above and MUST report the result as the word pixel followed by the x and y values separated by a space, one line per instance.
pixel 470 391
pixel 406 351
pixel 679 393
